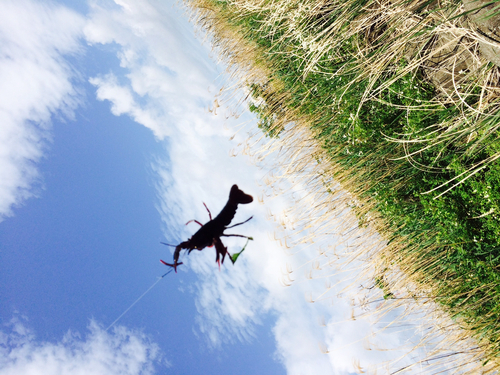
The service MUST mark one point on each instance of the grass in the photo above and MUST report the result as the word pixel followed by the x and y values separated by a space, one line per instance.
pixel 406 110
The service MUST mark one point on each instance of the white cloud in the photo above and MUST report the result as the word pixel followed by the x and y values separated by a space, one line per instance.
pixel 122 352
pixel 36 84
pixel 166 79
pixel 122 101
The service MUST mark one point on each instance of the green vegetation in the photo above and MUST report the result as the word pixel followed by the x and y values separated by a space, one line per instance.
pixel 406 109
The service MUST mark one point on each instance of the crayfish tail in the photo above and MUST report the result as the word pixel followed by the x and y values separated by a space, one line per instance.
pixel 237 196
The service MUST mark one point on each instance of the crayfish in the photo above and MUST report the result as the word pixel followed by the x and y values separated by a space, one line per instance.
pixel 210 233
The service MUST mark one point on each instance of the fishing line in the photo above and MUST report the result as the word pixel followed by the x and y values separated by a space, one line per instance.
pixel 138 299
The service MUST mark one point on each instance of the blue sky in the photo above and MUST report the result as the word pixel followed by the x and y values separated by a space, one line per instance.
pixel 109 147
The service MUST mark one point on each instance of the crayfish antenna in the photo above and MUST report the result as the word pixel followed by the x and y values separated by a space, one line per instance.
pixel 163 243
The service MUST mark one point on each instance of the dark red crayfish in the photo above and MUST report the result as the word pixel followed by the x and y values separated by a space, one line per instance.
pixel 210 233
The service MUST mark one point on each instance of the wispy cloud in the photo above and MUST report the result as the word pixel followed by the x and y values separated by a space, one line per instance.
pixel 121 351
pixel 36 84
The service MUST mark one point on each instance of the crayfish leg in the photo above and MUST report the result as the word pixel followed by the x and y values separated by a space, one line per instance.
pixel 194 221
pixel 220 250
pixel 243 222
pixel 209 213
